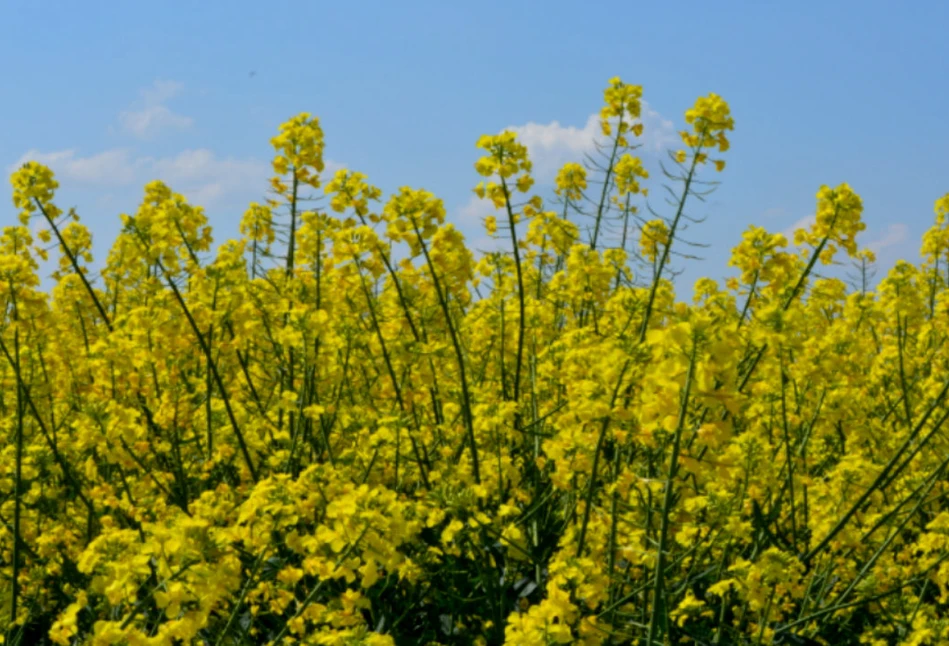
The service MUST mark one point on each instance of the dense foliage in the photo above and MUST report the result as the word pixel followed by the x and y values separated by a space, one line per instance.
pixel 345 428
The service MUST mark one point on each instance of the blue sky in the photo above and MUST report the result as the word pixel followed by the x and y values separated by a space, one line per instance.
pixel 114 94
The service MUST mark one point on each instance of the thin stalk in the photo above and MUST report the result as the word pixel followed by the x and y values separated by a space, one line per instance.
pixel 17 509
pixel 520 298
pixel 658 591
pixel 667 248
pixel 214 371
pixel 466 397
pixel 606 186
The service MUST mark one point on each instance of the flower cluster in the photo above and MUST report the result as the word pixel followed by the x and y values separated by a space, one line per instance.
pixel 344 427
pixel 710 118
pixel 837 221
pixel 299 149
pixel 623 105
pixel 505 159
pixel 571 181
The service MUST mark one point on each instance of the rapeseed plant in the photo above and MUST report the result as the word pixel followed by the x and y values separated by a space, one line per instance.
pixel 343 427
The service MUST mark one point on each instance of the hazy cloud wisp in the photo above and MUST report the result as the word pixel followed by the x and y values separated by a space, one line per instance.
pixel 154 116
pixel 199 174
pixel 551 145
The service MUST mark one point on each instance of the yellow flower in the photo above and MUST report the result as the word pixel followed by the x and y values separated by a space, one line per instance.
pixel 653 238
pixel 299 147
pixel 628 171
pixel 571 181
pixel 623 105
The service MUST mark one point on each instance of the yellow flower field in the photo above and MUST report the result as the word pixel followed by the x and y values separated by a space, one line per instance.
pixel 347 427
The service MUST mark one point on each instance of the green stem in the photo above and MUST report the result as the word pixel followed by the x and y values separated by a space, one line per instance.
pixel 658 591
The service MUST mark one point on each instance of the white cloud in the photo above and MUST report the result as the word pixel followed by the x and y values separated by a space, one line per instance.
pixel 202 165
pixel 154 116
pixel 206 179
pixel 330 167
pixel 551 145
pixel 476 209
pixel 484 243
pixel 659 133
pixel 110 167
pixel 149 121
pixel 199 174
pixel 47 159
pixel 802 223
pixel 895 234
pixel 161 91
pixel 471 222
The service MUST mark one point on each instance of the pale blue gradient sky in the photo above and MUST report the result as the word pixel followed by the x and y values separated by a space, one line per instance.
pixel 113 94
